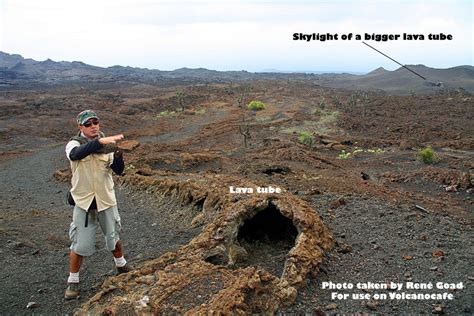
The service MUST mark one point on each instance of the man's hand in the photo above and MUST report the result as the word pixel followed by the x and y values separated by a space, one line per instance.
pixel 110 139
pixel 118 154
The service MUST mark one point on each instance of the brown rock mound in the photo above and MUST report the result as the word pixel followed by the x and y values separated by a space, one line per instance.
pixel 214 271
pixel 128 145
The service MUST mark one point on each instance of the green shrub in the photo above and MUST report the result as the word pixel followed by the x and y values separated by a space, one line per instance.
pixel 357 151
pixel 428 155
pixel 167 114
pixel 329 117
pixel 322 103
pixel 344 155
pixel 256 106
pixel 200 112
pixel 306 138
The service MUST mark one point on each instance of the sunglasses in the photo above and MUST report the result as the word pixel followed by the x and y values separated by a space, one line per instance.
pixel 90 122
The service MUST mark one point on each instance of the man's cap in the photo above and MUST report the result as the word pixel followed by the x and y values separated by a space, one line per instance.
pixel 85 115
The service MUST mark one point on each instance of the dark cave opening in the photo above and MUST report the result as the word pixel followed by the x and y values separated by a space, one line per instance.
pixel 267 237
pixel 199 205
pixel 275 170
pixel 268 225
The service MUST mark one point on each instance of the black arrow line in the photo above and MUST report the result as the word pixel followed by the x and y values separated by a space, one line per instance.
pixel 396 61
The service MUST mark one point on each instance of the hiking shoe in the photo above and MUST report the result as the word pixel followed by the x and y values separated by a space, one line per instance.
pixel 126 268
pixel 72 291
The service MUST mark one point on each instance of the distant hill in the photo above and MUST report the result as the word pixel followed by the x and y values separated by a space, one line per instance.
pixel 378 71
pixel 402 81
pixel 17 72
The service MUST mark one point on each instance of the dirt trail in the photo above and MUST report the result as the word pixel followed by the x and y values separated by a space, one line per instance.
pixel 187 129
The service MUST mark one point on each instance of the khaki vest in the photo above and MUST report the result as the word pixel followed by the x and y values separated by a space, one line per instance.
pixel 92 177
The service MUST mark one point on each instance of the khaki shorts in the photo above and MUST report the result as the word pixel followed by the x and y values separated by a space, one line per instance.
pixel 83 238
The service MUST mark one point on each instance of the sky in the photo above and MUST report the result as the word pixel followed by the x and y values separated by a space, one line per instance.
pixel 237 35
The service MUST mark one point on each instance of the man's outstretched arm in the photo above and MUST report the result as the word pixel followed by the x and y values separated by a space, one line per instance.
pixel 82 151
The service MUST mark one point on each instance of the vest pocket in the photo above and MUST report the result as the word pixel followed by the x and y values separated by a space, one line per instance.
pixel 104 160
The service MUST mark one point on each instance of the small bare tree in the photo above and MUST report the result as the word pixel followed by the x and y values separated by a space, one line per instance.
pixel 180 96
pixel 244 129
pixel 242 98
pixel 243 92
pixel 365 102
pixel 337 101
pixel 322 103
pixel 352 101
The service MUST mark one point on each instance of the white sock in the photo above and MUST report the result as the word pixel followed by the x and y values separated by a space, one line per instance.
pixel 73 277
pixel 120 262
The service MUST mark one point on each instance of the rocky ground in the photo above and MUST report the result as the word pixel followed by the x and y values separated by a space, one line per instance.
pixel 34 235
pixel 389 217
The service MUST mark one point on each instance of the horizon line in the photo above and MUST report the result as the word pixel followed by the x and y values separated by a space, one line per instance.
pixel 267 70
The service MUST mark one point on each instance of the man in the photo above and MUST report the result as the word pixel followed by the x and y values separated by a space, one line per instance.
pixel 93 158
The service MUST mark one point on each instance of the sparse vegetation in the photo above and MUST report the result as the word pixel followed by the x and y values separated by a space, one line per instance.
pixel 350 154
pixel 167 114
pixel 322 103
pixel 365 103
pixel 244 130
pixel 199 149
pixel 256 106
pixel 428 155
pixel 180 95
pixel 353 100
pixel 306 138
pixel 193 157
pixel 115 99
pixel 242 93
pixel 365 98
pixel 344 155
pixel 329 117
pixel 320 126
pixel 337 100
pixel 200 112
pixel 263 119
